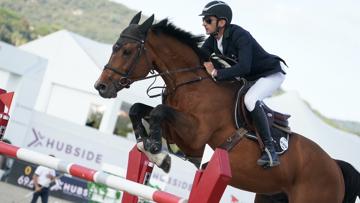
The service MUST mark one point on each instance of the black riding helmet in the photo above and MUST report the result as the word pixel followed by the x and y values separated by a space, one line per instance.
pixel 219 9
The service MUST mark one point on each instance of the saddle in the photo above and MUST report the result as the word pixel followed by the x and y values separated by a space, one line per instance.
pixel 278 122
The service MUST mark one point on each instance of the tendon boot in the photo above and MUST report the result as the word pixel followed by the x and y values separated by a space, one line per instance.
pixel 268 158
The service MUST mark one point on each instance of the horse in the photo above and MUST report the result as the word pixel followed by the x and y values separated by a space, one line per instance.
pixel 197 111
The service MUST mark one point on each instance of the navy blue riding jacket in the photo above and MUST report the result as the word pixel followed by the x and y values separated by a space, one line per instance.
pixel 253 62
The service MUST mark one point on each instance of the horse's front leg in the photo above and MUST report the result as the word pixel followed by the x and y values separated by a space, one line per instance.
pixel 139 111
pixel 180 123
pixel 181 127
pixel 160 114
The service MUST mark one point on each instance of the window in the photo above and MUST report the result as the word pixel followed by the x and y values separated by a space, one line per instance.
pixel 95 115
pixel 123 124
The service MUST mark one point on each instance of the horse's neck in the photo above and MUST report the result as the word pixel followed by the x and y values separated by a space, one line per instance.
pixel 171 56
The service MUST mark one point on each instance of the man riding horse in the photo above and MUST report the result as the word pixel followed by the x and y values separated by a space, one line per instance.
pixel 187 116
pixel 252 62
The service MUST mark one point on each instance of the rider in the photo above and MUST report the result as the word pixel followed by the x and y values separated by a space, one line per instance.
pixel 252 63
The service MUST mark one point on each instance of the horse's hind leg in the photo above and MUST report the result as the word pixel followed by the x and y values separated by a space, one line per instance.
pixel 139 111
pixel 312 192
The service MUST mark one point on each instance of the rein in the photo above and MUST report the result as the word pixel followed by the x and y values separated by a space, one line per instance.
pixel 125 81
pixel 198 79
pixel 167 72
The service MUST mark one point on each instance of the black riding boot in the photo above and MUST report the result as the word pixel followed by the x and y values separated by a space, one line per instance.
pixel 268 158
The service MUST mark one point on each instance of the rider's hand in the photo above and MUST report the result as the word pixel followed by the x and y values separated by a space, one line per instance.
pixel 210 68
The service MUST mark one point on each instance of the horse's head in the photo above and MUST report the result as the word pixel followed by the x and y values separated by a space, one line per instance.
pixel 128 61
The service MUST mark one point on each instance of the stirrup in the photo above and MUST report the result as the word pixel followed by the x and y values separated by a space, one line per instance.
pixel 269 161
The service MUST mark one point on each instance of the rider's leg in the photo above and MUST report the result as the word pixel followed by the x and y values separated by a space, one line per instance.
pixel 268 156
pixel 264 87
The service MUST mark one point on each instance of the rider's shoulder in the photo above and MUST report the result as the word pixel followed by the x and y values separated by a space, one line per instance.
pixel 237 31
pixel 236 27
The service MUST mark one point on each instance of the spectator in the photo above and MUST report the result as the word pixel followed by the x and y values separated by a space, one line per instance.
pixel 42 178
pixel 6 164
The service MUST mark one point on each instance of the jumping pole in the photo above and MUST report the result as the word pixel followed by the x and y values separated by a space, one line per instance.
pixel 82 172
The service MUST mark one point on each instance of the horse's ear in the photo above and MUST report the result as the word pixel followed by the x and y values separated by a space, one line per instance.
pixel 144 27
pixel 136 18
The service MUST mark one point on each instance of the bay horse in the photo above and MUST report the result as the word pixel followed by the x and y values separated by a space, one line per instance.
pixel 198 111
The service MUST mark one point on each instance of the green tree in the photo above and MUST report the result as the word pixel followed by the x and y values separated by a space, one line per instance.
pixel 13 28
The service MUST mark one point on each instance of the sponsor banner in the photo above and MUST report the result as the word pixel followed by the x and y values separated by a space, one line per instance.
pixel 76 150
pixel 67 188
pixel 75 143
pixel 64 187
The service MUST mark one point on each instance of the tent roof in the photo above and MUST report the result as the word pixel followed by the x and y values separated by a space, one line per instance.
pixel 96 51
pixel 15 60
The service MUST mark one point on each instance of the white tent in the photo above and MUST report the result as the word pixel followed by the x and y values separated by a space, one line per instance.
pixel 21 72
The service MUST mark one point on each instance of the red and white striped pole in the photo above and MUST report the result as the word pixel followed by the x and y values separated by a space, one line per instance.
pixel 82 172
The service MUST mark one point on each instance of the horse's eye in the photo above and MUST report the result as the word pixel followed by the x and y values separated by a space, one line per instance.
pixel 116 47
pixel 127 52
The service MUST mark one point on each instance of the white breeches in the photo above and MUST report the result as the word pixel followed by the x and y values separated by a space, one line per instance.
pixel 263 88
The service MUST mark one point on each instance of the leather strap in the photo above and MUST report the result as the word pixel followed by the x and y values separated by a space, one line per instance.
pixel 285 129
pixel 234 139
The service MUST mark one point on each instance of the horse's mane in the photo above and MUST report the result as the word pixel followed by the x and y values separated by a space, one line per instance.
pixel 194 41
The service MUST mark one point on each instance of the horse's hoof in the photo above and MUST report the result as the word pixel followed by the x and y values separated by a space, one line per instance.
pixel 166 164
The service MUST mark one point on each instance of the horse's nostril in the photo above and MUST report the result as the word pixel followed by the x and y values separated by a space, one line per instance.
pixel 100 87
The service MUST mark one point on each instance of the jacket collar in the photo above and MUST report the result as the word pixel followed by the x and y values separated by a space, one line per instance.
pixel 227 32
pixel 225 41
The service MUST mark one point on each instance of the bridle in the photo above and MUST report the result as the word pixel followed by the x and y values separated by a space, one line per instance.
pixel 125 81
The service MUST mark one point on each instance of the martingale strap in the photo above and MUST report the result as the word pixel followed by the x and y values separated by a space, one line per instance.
pixel 234 139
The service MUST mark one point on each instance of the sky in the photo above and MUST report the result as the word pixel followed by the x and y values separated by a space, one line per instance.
pixel 318 40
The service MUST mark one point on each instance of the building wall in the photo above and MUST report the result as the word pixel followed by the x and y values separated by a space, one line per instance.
pixel 71 104
pixel 20 72
pixel 4 77
pixel 26 90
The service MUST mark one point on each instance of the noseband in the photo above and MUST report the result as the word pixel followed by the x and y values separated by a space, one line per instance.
pixel 125 81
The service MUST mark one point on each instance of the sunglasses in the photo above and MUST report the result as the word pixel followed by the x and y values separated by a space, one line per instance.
pixel 208 20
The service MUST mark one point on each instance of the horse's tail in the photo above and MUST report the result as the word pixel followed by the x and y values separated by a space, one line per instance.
pixel 352 181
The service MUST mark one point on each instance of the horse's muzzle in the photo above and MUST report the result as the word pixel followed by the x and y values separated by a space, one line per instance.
pixel 105 90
